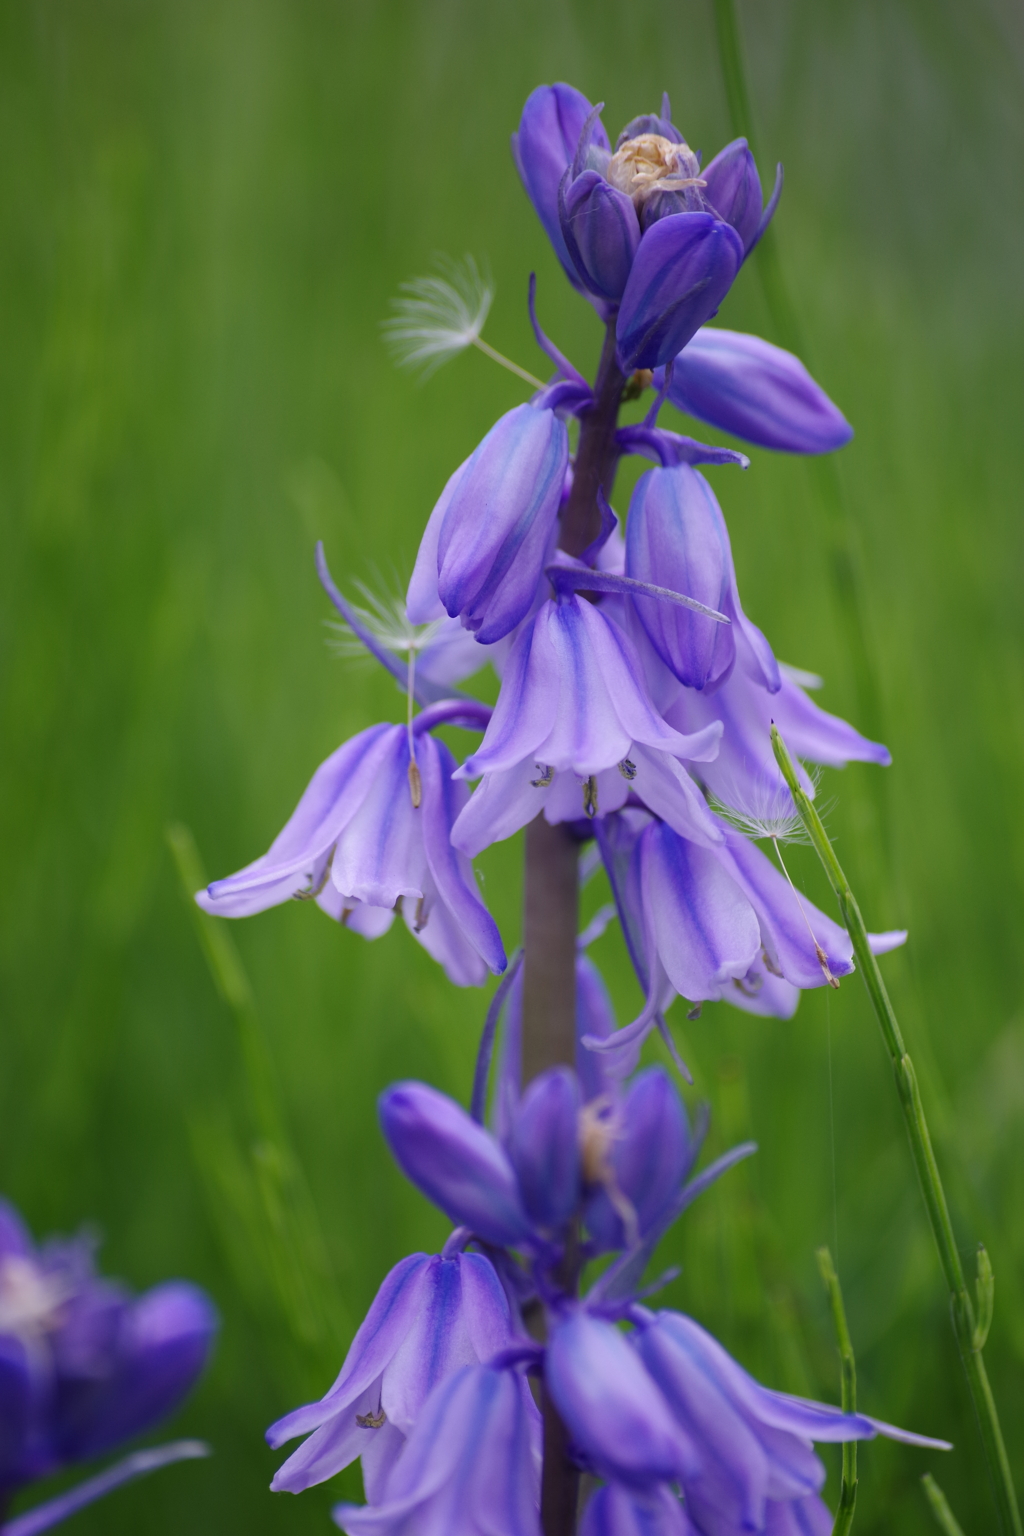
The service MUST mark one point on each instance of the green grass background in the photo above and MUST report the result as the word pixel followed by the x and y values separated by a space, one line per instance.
pixel 204 211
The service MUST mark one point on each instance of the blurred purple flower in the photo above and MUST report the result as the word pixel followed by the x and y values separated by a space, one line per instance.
pixel 616 1510
pixel 431 1317
pixel 758 392
pixel 84 1366
pixel 471 1463
pixel 359 845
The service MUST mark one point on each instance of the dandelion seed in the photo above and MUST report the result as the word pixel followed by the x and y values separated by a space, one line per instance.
pixel 767 811
pixel 441 315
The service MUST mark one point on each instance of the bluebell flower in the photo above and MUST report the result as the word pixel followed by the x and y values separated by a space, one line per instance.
pixel 753 1445
pixel 574 702
pixel 85 1366
pixel 431 1317
pixel 372 832
pixel 492 530
pixel 676 538
pixel 756 391
pixel 620 1425
pixel 714 923
pixel 471 1464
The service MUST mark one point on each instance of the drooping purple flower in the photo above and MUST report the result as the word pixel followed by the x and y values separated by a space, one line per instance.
pixel 359 846
pixel 676 537
pixel 601 232
pixel 752 1445
pixel 714 923
pixel 732 188
pixel 471 1463
pixel 84 1365
pixel 620 1425
pixel 546 141
pixel 574 702
pixel 758 392
pixel 487 539
pixel 431 1317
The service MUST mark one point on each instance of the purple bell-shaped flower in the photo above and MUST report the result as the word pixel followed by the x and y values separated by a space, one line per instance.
pixel 471 1463
pixel 431 1317
pixel 574 703
pixel 752 1445
pixel 371 833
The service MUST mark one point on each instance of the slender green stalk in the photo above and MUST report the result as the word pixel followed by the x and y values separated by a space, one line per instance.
pixel 970 1335
pixel 944 1516
pixel 848 1388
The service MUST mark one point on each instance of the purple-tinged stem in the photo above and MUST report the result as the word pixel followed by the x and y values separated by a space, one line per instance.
pixel 551 905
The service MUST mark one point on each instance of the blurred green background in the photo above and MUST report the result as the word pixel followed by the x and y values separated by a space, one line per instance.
pixel 205 210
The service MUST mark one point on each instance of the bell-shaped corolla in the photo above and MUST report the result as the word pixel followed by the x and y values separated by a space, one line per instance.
pixel 359 845
pixel 732 188
pixel 472 1464
pixel 616 1510
pixel 544 1147
pixel 649 1155
pixel 601 233
pixel 753 1446
pixel 573 696
pixel 458 1165
pixel 620 1425
pixel 549 131
pixel 674 540
pixel 758 392
pixel 684 266
pixel 485 544
pixel 431 1317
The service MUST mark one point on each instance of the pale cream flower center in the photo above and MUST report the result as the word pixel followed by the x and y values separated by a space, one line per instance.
pixel 649 164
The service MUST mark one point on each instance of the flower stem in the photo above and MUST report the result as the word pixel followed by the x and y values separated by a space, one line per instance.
pixel 551 902
pixel 848 1387
pixel 969 1337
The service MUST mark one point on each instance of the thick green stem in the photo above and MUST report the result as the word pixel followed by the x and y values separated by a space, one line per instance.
pixel 969 1337
pixel 848 1390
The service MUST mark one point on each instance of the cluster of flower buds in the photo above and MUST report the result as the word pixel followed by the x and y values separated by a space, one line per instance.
pixel 84 1366
pixel 435 1397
